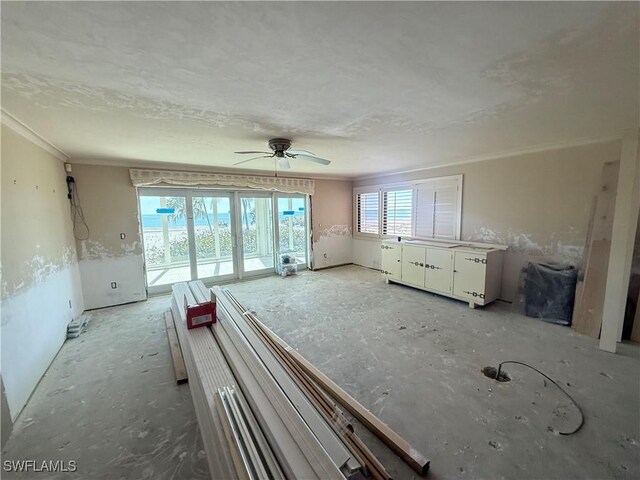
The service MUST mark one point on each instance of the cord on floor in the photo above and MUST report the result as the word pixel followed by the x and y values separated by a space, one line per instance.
pixel 556 384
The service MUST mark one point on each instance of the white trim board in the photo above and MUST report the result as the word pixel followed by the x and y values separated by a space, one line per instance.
pixel 22 129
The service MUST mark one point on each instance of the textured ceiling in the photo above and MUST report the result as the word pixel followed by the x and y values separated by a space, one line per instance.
pixel 374 87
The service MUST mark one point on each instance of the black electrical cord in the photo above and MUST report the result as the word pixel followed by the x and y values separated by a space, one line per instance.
pixel 556 384
pixel 77 215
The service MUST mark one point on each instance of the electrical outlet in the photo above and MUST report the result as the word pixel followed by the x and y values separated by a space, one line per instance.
pixel 114 285
pixel 122 236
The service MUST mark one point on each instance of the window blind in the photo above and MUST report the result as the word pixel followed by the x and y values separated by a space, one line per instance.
pixel 367 212
pixel 397 212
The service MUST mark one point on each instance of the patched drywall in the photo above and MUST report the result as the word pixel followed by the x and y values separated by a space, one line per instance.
pixel 538 204
pixel 34 327
pixel 41 290
pixel 125 271
pixel 110 207
pixel 332 223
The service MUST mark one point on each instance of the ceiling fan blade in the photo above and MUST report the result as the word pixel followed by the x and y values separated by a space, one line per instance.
pixel 310 158
pixel 301 152
pixel 251 159
pixel 251 151
pixel 284 163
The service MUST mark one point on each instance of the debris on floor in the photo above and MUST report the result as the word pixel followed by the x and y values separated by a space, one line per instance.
pixel 77 326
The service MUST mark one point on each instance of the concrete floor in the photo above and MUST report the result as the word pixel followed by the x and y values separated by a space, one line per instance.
pixel 413 358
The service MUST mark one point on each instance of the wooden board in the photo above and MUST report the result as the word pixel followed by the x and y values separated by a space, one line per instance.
pixel 587 312
pixel 179 368
pixel 207 372
pixel 323 403
pixel 394 441
pixel 584 261
pixel 592 304
pixel 328 439
pixel 299 453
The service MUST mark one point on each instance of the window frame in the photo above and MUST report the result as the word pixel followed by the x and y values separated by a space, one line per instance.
pixel 413 185
pixel 358 191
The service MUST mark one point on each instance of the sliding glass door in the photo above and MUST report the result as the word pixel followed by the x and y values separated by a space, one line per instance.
pixel 256 225
pixel 163 219
pixel 216 235
pixel 292 226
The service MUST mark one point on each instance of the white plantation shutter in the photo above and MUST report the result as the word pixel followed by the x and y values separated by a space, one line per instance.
pixel 367 212
pixel 429 208
pixel 437 208
pixel 397 212
pixel 446 210
pixel 425 201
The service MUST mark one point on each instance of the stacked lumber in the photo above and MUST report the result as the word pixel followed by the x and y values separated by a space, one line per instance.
pixel 263 410
pixel 592 271
pixel 179 368
pixel 326 392
pixel 209 375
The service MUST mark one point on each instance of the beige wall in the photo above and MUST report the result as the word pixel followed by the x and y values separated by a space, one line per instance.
pixel 109 202
pixel 36 226
pixel 539 204
pixel 110 207
pixel 332 223
pixel 41 290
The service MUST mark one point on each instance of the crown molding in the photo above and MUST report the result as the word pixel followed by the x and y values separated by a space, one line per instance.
pixel 495 156
pixel 20 128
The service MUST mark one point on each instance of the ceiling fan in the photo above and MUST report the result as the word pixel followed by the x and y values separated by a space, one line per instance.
pixel 281 150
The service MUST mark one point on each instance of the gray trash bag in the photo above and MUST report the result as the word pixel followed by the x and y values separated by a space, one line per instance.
pixel 549 292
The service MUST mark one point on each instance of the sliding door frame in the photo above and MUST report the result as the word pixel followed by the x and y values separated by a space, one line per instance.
pixel 237 248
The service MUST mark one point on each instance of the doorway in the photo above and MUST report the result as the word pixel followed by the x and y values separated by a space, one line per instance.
pixel 219 235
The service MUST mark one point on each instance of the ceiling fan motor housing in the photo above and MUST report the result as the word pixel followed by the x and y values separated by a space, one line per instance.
pixel 279 146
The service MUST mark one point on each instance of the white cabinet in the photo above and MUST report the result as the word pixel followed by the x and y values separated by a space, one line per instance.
pixel 471 273
pixel 391 258
pixel 439 269
pixel 413 259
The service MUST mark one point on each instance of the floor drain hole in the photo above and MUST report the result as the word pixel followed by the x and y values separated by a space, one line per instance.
pixel 491 373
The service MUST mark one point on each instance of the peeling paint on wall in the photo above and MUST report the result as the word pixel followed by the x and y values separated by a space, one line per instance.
pixel 36 271
pixel 523 243
pixel 336 231
pixel 92 250
pixel 333 247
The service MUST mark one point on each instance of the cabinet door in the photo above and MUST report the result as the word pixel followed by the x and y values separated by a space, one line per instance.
pixel 413 258
pixel 439 270
pixel 391 260
pixel 469 276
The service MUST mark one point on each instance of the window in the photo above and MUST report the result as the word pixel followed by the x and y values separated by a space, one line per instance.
pixel 397 207
pixel 429 208
pixel 367 212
